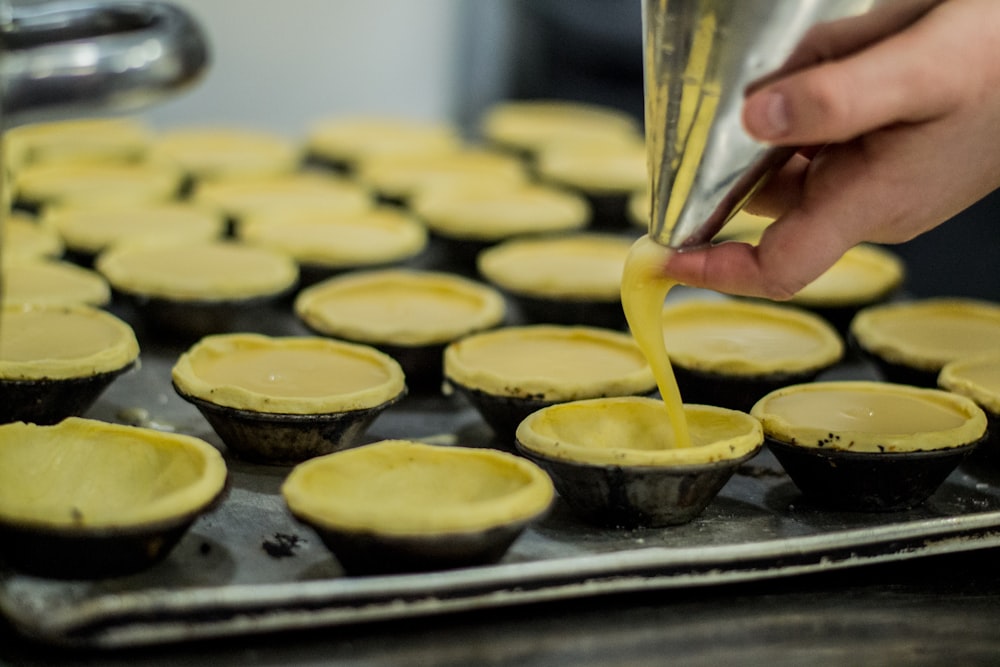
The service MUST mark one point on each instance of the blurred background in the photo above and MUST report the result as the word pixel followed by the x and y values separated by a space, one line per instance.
pixel 281 66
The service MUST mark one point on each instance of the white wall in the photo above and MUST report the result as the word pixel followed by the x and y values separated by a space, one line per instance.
pixel 281 64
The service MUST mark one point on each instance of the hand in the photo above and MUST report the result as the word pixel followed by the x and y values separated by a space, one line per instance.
pixel 900 109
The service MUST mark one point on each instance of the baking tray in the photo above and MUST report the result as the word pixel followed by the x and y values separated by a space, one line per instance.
pixel 249 567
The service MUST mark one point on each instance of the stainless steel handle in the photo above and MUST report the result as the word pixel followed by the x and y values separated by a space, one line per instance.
pixel 63 58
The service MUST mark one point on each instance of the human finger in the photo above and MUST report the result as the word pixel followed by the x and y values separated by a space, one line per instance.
pixel 890 82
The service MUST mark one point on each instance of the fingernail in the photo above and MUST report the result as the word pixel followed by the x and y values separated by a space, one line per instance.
pixel 773 117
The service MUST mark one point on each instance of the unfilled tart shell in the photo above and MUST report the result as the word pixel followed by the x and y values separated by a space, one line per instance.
pixel 615 460
pixel 399 505
pixel 85 498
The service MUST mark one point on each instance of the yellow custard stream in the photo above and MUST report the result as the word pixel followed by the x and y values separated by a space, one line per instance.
pixel 644 288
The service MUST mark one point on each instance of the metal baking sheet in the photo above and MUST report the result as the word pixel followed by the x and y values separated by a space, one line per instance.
pixel 249 567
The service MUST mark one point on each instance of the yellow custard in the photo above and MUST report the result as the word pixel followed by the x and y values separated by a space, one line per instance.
pixel 748 338
pixel 550 362
pixel 52 282
pixel 644 289
pixel 210 270
pixel 378 236
pixel 976 377
pixel 870 416
pixel 579 266
pixel 297 375
pixel 928 333
pixel 402 307
pixel 62 342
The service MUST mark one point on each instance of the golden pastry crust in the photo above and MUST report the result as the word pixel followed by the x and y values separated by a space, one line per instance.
pixel 595 169
pixel 574 266
pixel 548 362
pixel 93 228
pixel 400 307
pixel 60 342
pixel 382 235
pixel 866 416
pixel 87 474
pixel 494 214
pixel 526 125
pixel 975 377
pixel 928 333
pixel 635 431
pixel 97 183
pixel 290 375
pixel 352 139
pixel 198 271
pixel 209 153
pixel 434 489
pixel 864 274
pixel 51 282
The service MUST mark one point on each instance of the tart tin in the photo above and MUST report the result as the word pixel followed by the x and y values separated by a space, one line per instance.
pixel 56 385
pixel 73 531
pixel 870 468
pixel 909 342
pixel 614 462
pixel 398 506
pixel 282 439
pixel 49 401
pixel 286 425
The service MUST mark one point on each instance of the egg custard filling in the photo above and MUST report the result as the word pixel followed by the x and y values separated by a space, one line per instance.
pixel 928 333
pixel 976 377
pixel 575 266
pixel 549 363
pixel 644 289
pixel 864 274
pixel 291 375
pixel 495 213
pixel 51 282
pixel 747 338
pixel 200 271
pixel 380 235
pixel 60 342
pixel 399 307
pixel 865 416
